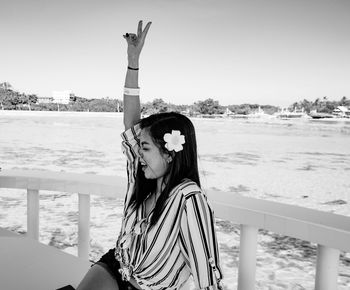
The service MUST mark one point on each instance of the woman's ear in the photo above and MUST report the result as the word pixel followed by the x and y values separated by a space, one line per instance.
pixel 169 157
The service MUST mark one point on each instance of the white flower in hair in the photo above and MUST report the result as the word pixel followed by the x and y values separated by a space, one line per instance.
pixel 174 140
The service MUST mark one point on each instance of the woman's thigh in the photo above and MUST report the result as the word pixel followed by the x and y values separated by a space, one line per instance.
pixel 98 278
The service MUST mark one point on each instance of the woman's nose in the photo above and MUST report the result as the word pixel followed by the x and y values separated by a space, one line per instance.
pixel 140 152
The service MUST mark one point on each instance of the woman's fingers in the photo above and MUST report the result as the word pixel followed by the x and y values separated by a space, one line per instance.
pixel 144 33
pixel 139 29
pixel 136 41
pixel 130 37
pixel 141 35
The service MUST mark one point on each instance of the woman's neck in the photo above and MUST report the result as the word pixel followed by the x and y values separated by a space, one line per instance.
pixel 160 185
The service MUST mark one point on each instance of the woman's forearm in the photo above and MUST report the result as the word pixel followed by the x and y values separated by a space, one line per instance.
pixel 132 109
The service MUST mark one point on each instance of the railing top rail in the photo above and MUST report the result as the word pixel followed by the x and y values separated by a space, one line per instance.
pixel 311 225
pixel 293 212
pixel 316 226
pixel 113 186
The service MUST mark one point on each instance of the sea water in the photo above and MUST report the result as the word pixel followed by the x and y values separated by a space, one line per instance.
pixel 299 161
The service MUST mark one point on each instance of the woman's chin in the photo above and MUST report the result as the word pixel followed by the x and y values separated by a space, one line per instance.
pixel 150 177
pixel 147 176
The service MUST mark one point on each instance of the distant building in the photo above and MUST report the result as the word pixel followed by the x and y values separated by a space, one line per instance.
pixel 342 112
pixel 187 112
pixel 61 97
pixel 44 100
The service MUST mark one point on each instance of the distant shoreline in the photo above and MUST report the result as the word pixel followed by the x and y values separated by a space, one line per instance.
pixel 85 114
pixel 56 113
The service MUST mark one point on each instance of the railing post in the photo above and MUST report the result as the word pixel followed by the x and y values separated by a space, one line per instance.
pixel 33 214
pixel 327 268
pixel 247 257
pixel 84 226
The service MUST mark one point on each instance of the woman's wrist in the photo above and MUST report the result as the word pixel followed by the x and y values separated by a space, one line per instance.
pixel 133 62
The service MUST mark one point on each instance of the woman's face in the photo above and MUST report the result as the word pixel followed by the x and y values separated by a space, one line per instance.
pixel 153 161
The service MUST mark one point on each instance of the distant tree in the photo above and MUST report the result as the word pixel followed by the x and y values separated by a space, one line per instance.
pixel 209 106
pixel 307 105
pixel 31 99
pixel 79 106
pixel 177 108
pixel 294 106
pixel 160 106
pixel 72 98
pixel 244 109
pixel 5 86
pixel 344 102
pixel 316 102
pixel 5 99
pixel 326 106
pixel 46 107
pixel 120 105
pixel 156 106
pixel 323 105
pixel 269 109
pixel 6 95
pixel 16 99
pixel 103 105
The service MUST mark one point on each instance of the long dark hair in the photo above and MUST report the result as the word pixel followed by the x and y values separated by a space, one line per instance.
pixel 184 163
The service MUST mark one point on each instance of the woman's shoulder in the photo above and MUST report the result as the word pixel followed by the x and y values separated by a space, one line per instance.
pixel 187 188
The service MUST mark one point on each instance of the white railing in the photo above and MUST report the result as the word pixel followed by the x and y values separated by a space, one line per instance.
pixel 331 232
pixel 82 184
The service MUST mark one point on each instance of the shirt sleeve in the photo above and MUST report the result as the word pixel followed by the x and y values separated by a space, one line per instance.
pixel 130 148
pixel 199 236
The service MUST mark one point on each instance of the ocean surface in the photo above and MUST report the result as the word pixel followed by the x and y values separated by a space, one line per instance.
pixel 297 162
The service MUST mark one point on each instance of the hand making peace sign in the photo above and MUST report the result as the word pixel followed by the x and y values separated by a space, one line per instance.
pixel 136 41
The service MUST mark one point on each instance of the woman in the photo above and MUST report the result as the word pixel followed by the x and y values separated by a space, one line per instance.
pixel 167 232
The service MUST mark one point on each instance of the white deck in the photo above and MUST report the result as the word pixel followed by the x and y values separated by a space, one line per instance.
pixel 28 264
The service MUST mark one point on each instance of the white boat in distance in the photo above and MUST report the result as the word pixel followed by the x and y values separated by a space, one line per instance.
pixel 286 114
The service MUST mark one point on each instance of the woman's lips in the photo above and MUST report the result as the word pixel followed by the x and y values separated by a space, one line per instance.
pixel 143 165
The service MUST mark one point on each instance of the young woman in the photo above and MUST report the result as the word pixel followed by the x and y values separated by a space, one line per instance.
pixel 168 231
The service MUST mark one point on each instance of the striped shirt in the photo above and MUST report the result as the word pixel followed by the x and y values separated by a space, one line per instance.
pixel 182 243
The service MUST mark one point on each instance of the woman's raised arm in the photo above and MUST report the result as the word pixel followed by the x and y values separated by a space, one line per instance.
pixel 131 100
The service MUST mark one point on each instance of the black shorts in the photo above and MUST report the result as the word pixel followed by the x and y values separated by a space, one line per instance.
pixel 109 262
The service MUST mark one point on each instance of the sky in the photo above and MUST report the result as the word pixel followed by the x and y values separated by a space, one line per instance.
pixel 234 51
